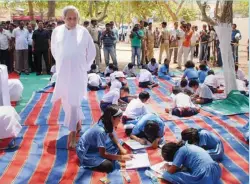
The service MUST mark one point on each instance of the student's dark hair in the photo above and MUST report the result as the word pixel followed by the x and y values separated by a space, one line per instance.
pixel 107 115
pixel 164 23
pixel 145 24
pixel 151 130
pixel 193 83
pixel 166 61
pixel 210 72
pixel 191 135
pixel 169 149
pixel 144 95
pixel 236 67
pixel 111 66
pixel 234 25
pixel 153 60
pixel 183 83
pixel 130 65
pixel 176 90
pixel 115 68
pixel 108 24
pixel 86 22
pixel 93 67
pixel 125 89
pixel 189 64
pixel 203 67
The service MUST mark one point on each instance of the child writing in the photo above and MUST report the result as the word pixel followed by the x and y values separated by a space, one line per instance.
pixel 95 82
pixel 201 167
pixel 164 70
pixel 185 88
pixel 146 80
pixel 190 71
pixel 149 128
pixel 202 73
pixel 94 69
pixel 153 66
pixel 117 82
pixel 98 148
pixel 109 69
pixel 129 70
pixel 182 104
pixel 212 81
pixel 205 139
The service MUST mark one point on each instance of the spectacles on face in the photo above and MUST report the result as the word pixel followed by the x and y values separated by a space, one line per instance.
pixel 71 18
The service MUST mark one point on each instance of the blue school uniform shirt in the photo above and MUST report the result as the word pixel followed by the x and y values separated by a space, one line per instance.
pixel 163 71
pixel 211 143
pixel 202 169
pixel 202 75
pixel 190 73
pixel 139 127
pixel 88 146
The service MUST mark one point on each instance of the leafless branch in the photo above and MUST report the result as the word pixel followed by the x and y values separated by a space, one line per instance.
pixel 205 18
pixel 179 7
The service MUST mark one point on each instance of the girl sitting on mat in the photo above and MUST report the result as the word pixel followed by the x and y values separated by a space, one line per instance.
pixel 95 82
pixel 153 66
pixel 146 80
pixel 98 147
pixel 190 71
pixel 149 128
pixel 182 104
pixel 201 167
pixel 118 82
pixel 202 73
pixel 205 139
pixel 136 108
pixel 113 97
pixel 129 70
pixel 185 88
pixel 212 81
pixel 203 94
pixel 164 70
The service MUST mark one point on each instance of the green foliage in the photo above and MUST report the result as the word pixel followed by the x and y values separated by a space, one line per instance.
pixel 188 14
pixel 241 8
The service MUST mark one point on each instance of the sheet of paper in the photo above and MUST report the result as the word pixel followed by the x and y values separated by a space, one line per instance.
pixel 157 167
pixel 136 145
pixel 139 161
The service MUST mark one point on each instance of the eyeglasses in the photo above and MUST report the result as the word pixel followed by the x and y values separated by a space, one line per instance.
pixel 70 18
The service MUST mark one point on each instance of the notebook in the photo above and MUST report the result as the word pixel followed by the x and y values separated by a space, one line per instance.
pixel 139 161
pixel 136 145
pixel 157 167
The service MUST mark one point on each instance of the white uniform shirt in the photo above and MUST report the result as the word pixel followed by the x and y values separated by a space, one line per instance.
pixel 115 84
pixel 211 80
pixel 152 67
pixel 182 100
pixel 129 72
pixel 5 36
pixel 112 76
pixel 107 70
pixel 145 76
pixel 181 34
pixel 194 38
pixel 53 69
pixel 241 85
pixel 173 33
pixel 30 38
pixel 21 38
pixel 240 75
pixel 204 92
pixel 15 89
pixel 212 37
pixel 135 109
pixel 112 96
pixel 94 79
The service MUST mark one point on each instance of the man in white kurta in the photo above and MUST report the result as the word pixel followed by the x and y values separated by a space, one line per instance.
pixel 74 51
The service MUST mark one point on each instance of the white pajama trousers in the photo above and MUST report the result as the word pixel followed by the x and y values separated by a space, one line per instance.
pixel 183 51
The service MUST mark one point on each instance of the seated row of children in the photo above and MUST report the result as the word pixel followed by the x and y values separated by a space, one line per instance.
pixel 100 149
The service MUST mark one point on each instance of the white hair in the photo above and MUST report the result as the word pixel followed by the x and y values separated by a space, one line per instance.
pixel 70 8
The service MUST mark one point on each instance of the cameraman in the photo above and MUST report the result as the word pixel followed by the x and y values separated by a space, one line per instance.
pixel 108 38
pixel 136 37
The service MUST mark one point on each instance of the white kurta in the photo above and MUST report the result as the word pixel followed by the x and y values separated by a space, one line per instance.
pixel 9 122
pixel 74 52
pixel 4 90
pixel 15 89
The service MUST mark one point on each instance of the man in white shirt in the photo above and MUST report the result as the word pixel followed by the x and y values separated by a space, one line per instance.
pixel 174 42
pixel 74 51
pixel 212 81
pixel 5 38
pixel 20 36
pixel 194 39
pixel 30 52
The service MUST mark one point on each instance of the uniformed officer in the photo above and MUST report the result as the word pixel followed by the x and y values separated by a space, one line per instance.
pixel 164 41
pixel 149 42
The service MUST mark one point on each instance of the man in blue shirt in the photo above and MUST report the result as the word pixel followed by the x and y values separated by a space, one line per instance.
pixel 236 36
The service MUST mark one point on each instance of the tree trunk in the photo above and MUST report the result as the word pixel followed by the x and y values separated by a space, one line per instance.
pixel 227 12
pixel 171 13
pixel 104 13
pixel 51 9
pixel 31 12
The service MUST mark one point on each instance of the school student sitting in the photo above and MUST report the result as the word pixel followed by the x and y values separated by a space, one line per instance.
pixel 111 77
pixel 109 69
pixel 190 71
pixel 15 89
pixel 149 128
pixel 94 69
pixel 185 88
pixel 98 148
pixel 203 94
pixel 201 168
pixel 118 80
pixel 95 82
pixel 211 81
pixel 146 80
pixel 240 74
pixel 202 73
pixel 129 70
pixel 113 97
pixel 205 139
pixel 136 107
pixel 182 104
pixel 164 70
pixel 153 66
pixel 241 86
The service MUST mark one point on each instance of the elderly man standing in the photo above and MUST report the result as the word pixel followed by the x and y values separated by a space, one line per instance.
pixel 21 36
pixel 74 51
pixel 94 32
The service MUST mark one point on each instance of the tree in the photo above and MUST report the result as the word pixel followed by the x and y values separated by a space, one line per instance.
pixel 51 9
pixel 31 11
pixel 241 8
pixel 94 8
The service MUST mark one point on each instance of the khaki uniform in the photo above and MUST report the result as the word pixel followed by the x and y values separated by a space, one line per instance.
pixel 150 44
pixel 164 43
pixel 95 35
